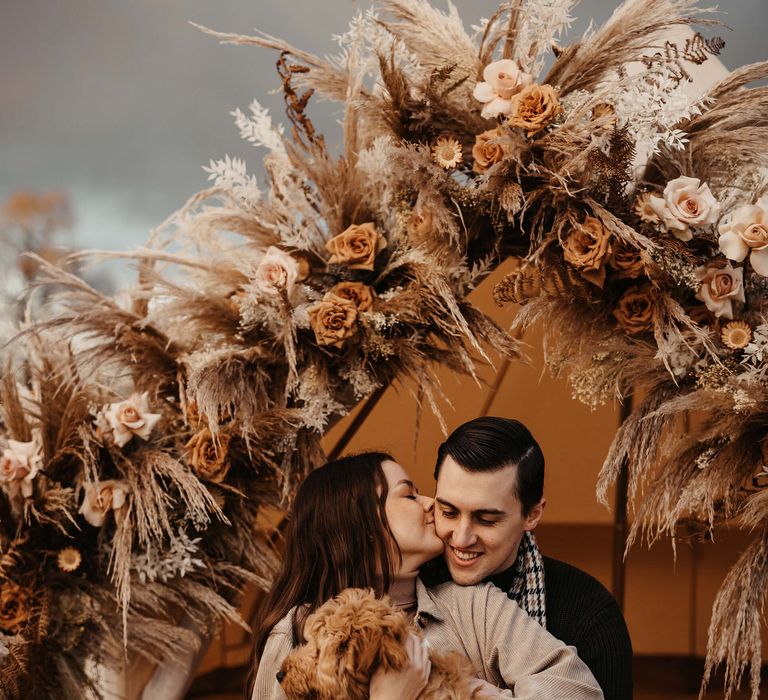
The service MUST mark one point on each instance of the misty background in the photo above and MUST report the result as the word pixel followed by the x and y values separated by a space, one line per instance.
pixel 119 103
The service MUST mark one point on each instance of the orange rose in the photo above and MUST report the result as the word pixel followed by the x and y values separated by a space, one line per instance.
pixel 534 107
pixel 209 460
pixel 634 310
pixel 14 610
pixel 587 248
pixel 333 320
pixel 361 295
pixel 487 150
pixel 357 246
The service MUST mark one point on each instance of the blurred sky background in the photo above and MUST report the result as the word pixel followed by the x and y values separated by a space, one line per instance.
pixel 120 102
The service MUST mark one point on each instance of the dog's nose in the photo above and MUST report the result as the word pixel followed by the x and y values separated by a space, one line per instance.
pixel 280 675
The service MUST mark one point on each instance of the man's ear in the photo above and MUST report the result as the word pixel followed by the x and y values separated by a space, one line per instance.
pixel 534 515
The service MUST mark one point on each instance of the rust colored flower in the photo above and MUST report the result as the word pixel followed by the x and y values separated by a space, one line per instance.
pixel 736 335
pixel 361 295
pixel 14 609
pixel 634 310
pixel 209 458
pixel 625 261
pixel 357 246
pixel 333 320
pixel 534 107
pixel 587 248
pixel 487 150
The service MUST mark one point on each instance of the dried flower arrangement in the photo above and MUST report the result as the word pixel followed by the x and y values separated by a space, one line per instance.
pixel 141 438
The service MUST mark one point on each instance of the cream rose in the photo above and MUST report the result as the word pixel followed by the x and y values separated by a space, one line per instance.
pixel 19 465
pixel 361 295
pixel 357 246
pixel 745 232
pixel 501 80
pixel 101 498
pixel 131 417
pixel 686 203
pixel 333 320
pixel 487 150
pixel 276 270
pixel 720 287
pixel 534 107
pixel 587 248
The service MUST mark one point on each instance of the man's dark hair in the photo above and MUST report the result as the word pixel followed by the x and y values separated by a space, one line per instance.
pixel 488 444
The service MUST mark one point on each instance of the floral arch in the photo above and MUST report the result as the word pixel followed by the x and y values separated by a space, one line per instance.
pixel 142 438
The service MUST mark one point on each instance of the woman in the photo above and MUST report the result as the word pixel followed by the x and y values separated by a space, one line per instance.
pixel 360 522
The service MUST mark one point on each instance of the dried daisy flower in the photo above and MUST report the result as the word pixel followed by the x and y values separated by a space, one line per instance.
pixel 446 152
pixel 736 335
pixel 69 559
pixel 643 209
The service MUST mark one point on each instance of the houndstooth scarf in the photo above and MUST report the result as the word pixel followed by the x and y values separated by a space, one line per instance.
pixel 527 588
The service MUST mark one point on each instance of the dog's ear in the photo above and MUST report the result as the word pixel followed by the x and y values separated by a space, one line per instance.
pixel 330 679
pixel 297 675
pixel 393 628
pixel 376 639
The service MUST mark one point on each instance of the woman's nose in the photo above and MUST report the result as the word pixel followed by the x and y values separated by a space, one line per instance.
pixel 427 503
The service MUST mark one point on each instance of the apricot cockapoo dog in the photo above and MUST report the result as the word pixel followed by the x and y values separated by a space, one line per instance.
pixel 351 636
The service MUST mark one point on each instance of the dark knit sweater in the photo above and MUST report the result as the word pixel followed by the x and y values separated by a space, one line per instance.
pixel 582 613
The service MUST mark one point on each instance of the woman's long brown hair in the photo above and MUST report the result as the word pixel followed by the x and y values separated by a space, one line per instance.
pixel 337 537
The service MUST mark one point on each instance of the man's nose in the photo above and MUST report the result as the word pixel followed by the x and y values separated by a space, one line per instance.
pixel 462 534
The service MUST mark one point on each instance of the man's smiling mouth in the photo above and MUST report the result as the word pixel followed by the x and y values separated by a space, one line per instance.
pixel 465 556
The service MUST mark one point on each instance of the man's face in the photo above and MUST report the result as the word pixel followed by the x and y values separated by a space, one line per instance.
pixel 480 520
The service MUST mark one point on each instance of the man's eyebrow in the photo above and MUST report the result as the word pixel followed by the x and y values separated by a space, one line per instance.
pixel 479 511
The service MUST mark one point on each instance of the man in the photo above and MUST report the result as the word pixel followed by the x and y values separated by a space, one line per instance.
pixel 489 499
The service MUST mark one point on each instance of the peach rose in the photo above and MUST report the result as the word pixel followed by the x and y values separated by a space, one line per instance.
pixel 501 80
pixel 19 465
pixel 587 248
pixel 100 498
pixel 534 107
pixel 277 269
pixel 634 310
pixel 209 460
pixel 131 417
pixel 333 320
pixel 361 295
pixel 625 260
pixel 487 150
pixel 357 246
pixel 686 203
pixel 720 286
pixel 745 232
pixel 14 609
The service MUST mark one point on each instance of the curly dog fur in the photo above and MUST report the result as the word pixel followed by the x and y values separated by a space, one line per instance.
pixel 351 636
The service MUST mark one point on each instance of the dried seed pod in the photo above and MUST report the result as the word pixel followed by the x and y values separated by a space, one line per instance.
pixel 530 280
